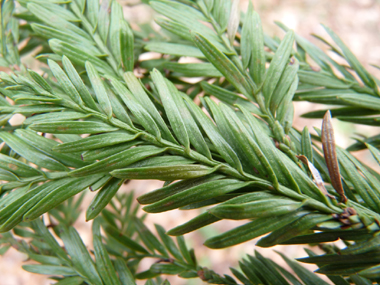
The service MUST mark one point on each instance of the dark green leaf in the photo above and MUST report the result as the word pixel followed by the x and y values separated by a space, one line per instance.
pixel 304 274
pixel 103 197
pixel 78 83
pixel 124 240
pixel 169 243
pixel 352 60
pixel 171 108
pixel 174 188
pixel 100 91
pixel 224 65
pixel 79 56
pixel 192 69
pixel 103 262
pixel 125 275
pixel 118 160
pixel 140 96
pixel 196 194
pixel 252 45
pixel 49 269
pixel 30 153
pixel 251 230
pixel 221 145
pixel 79 255
pixel 17 167
pixel 258 209
pixel 277 66
pixel 293 229
pixel 96 141
pixel 165 173
pixel 174 49
pixel 64 82
pixel 58 195
pixel 73 127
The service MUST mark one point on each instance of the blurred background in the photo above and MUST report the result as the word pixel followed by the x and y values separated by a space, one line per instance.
pixel 357 22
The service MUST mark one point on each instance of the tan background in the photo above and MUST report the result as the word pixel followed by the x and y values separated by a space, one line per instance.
pixel 357 22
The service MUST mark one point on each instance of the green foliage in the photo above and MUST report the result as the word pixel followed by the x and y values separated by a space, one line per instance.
pixel 241 156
